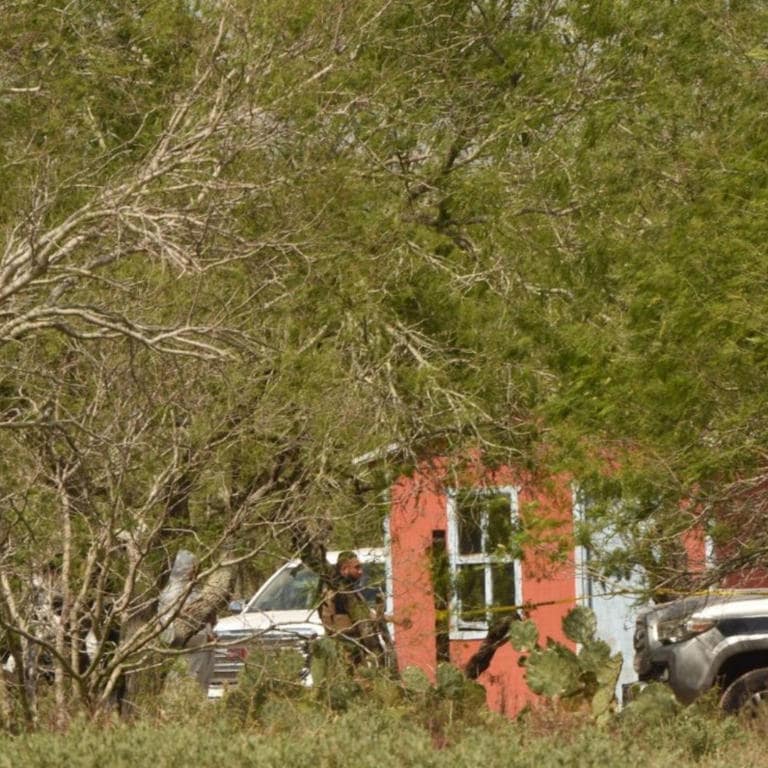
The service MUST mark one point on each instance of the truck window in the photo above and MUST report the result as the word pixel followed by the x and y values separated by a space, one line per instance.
pixel 296 588
pixel 293 589
pixel 372 583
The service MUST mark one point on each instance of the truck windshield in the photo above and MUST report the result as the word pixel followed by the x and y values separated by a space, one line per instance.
pixel 296 588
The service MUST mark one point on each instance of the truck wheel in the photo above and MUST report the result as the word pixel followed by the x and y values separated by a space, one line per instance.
pixel 748 693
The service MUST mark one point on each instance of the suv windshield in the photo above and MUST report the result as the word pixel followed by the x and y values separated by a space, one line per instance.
pixel 296 588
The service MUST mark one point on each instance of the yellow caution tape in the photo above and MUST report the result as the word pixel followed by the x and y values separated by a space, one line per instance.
pixel 530 606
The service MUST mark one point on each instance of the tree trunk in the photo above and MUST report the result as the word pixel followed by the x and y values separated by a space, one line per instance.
pixel 496 637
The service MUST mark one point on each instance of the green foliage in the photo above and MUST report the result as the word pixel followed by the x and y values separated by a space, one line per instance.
pixel 554 671
pixel 415 681
pixel 654 704
pixel 332 673
pixel 451 685
pixel 270 690
pixel 531 227
pixel 452 704
pixel 180 700
pixel 450 682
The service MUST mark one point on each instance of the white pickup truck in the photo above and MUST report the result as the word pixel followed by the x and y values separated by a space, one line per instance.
pixel 283 612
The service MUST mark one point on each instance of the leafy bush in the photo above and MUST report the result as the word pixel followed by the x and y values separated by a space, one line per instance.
pixel 270 693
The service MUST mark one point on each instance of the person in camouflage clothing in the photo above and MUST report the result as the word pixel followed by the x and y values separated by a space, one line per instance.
pixel 347 616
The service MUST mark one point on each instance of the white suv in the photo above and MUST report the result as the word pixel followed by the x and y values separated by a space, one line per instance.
pixel 283 612
pixel 714 639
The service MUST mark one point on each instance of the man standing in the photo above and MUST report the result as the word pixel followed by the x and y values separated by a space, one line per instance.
pixel 347 616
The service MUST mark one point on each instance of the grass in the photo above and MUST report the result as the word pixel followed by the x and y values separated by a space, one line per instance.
pixel 290 733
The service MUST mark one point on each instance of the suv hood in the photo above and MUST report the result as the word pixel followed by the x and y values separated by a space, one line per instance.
pixel 717 604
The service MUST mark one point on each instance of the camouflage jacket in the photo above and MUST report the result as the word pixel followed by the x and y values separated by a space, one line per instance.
pixel 345 614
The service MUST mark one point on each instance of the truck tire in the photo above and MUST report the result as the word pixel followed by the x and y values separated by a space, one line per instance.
pixel 747 693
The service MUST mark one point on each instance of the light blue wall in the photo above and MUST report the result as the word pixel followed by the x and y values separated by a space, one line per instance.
pixel 615 602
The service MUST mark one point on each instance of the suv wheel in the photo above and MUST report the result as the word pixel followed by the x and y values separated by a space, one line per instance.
pixel 748 693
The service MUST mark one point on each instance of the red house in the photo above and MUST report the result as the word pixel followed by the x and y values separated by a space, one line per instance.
pixel 459 556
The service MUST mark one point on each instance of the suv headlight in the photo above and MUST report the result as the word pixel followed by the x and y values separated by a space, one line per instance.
pixel 683 628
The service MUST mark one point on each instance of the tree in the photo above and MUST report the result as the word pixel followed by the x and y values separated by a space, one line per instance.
pixel 652 352
pixel 103 280
pixel 247 244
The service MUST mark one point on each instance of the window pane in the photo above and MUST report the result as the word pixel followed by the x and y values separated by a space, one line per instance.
pixel 499 512
pixel 470 589
pixel 503 577
pixel 469 516
pixel 294 588
pixel 476 510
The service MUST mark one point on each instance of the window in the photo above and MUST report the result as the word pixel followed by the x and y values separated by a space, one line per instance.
pixel 485 574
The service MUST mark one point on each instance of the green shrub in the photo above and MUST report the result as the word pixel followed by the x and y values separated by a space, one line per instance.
pixel 268 675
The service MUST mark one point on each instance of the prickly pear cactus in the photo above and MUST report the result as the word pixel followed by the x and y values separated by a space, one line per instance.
pixel 553 671
pixel 450 682
pixel 580 625
pixel 415 681
pixel 524 635
pixel 653 704
pixel 586 678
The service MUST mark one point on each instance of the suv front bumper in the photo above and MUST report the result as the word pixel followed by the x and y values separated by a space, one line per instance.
pixel 687 666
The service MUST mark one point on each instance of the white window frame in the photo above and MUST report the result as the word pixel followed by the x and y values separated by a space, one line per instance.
pixel 465 630
pixel 581 555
